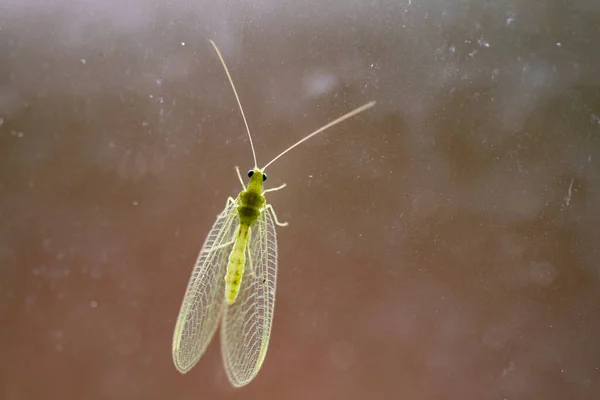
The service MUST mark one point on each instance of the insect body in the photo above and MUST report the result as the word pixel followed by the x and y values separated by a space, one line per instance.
pixel 233 281
pixel 251 202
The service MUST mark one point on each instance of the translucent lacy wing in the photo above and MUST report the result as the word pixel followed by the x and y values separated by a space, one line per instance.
pixel 246 326
pixel 204 298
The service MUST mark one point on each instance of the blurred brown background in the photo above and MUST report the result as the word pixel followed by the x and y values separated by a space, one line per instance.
pixel 441 245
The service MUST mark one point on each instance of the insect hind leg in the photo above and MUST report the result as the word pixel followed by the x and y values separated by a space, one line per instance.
pixel 223 245
pixel 249 253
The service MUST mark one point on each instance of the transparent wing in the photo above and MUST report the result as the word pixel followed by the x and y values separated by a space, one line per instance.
pixel 246 326
pixel 204 298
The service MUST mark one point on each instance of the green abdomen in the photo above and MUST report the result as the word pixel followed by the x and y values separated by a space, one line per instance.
pixel 236 264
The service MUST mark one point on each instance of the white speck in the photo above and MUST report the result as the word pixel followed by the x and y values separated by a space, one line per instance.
pixel 569 193
pixel 83 61
pixel 93 304
pixel 1 121
pixel 595 119
pixel 135 203
pixel 452 49
pixel 472 54
pixel 372 65
pixel 310 176
pixel 495 74
pixel 558 44
pixel 145 123
pixel 483 43
pixel 510 368
pixel 183 43
pixel 17 134
pixel 158 82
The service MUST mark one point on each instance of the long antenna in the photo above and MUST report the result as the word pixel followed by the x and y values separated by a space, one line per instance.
pixel 238 100
pixel 329 125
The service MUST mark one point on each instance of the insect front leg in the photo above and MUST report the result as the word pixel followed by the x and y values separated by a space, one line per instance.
pixel 274 189
pixel 237 169
pixel 270 208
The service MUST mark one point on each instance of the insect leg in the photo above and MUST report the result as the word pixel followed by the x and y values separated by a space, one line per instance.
pixel 237 169
pixel 274 189
pixel 223 245
pixel 270 208
pixel 226 244
pixel 250 264
pixel 230 200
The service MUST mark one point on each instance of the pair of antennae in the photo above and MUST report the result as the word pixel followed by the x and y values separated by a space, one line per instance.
pixel 329 125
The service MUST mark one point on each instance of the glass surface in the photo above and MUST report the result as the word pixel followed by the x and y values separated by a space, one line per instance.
pixel 442 245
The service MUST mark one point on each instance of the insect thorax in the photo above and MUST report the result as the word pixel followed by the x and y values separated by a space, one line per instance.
pixel 250 204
